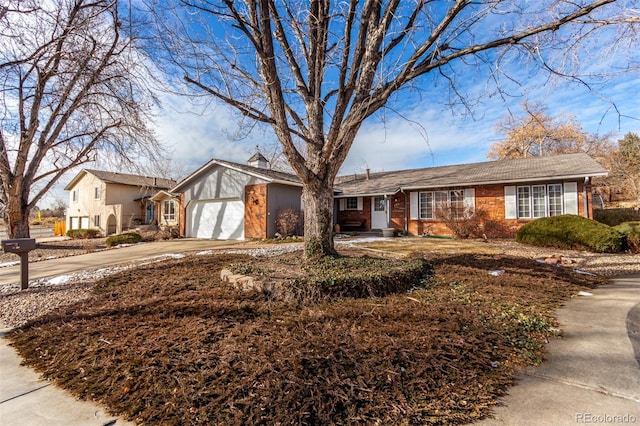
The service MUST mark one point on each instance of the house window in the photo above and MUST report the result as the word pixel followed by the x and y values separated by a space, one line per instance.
pixel 538 196
pixel 96 193
pixel 431 201
pixel 96 221
pixel 426 205
pixel 524 201
pixel 539 201
pixel 555 199
pixel 169 210
pixel 74 196
pixel 351 203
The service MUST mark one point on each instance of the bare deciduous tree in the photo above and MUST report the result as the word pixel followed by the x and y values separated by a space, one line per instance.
pixel 314 71
pixel 71 84
pixel 537 134
pixel 624 164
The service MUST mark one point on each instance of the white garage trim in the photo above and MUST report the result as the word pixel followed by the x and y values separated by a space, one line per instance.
pixel 221 219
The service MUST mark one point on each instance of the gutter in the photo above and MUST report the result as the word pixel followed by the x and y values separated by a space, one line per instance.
pixel 497 182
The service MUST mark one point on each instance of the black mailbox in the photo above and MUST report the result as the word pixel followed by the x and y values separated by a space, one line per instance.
pixel 21 247
pixel 18 245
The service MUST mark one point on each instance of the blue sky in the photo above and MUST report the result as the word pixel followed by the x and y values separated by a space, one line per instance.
pixel 429 133
pixel 419 129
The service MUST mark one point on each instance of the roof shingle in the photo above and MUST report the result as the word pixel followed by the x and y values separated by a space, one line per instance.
pixel 501 171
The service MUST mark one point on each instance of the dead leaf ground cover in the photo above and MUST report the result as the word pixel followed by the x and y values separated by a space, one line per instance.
pixel 171 344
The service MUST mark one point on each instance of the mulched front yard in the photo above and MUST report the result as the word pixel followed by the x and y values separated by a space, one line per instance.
pixel 171 344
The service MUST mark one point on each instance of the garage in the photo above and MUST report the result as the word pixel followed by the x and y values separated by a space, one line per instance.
pixel 221 219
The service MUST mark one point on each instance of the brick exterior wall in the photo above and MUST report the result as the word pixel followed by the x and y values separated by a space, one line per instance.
pixel 255 211
pixel 489 198
pixel 397 204
pixel 345 216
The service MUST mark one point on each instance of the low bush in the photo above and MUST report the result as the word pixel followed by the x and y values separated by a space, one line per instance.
pixel 631 231
pixel 571 232
pixel 126 238
pixel 82 234
pixel 337 277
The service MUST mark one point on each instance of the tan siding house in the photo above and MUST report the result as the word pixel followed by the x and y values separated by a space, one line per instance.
pixel 112 202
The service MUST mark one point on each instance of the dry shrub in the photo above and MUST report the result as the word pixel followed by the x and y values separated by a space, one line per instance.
pixel 287 222
pixel 463 222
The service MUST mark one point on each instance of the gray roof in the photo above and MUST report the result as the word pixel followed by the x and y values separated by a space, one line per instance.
pixel 266 174
pixel 532 169
pixel 125 179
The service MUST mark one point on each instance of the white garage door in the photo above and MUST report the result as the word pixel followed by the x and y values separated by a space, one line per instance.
pixel 220 219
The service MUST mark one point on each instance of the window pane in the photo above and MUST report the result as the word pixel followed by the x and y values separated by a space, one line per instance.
pixel 378 204
pixel 524 201
pixel 352 203
pixel 555 199
pixel 457 203
pixel 539 201
pixel 426 205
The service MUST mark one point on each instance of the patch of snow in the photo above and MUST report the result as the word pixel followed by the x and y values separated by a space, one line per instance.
pixel 578 271
pixel 3 265
pixel 59 280
pixel 584 293
pixel 365 240
pixel 497 272
pixel 204 253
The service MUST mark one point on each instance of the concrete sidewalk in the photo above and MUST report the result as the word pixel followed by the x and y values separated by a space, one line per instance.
pixel 105 258
pixel 26 400
pixel 592 373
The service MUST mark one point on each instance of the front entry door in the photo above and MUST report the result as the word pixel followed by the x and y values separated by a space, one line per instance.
pixel 379 213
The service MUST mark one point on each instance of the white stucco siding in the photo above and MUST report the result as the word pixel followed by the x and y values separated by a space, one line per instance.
pixel 219 183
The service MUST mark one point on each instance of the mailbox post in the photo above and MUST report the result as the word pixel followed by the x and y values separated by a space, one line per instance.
pixel 21 247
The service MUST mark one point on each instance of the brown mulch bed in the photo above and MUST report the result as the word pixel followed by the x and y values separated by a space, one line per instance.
pixel 171 344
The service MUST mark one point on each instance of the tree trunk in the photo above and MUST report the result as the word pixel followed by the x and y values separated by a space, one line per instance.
pixel 17 215
pixel 317 199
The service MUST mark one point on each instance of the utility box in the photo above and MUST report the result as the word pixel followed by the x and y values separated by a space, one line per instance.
pixel 21 247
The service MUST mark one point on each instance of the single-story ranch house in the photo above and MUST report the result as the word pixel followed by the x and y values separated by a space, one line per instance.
pixel 226 200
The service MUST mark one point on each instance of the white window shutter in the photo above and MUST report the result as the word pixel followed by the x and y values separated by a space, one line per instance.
pixel 414 211
pixel 510 203
pixel 571 198
pixel 359 203
pixel 341 204
pixel 470 199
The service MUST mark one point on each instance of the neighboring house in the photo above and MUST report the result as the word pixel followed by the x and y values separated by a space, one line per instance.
pixel 225 200
pixel 112 202
pixel 512 193
pixel 167 208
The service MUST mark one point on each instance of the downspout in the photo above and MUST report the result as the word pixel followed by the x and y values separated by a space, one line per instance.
pixel 387 203
pixel 585 197
pixel 406 211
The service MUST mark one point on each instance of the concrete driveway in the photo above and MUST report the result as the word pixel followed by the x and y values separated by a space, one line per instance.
pixel 104 258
